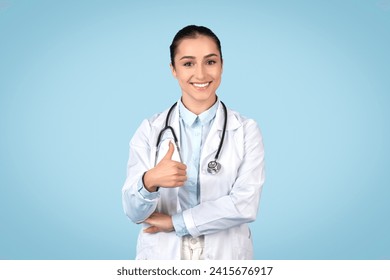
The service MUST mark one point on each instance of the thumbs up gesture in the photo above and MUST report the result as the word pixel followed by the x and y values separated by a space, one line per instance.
pixel 167 173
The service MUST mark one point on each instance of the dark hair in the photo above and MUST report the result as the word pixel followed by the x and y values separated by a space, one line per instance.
pixel 192 32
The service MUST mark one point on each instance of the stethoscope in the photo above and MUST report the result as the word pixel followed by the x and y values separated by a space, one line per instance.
pixel 213 167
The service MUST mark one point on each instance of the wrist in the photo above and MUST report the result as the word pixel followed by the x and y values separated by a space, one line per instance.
pixel 146 180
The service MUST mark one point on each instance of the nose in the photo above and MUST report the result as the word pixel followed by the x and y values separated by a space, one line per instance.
pixel 200 72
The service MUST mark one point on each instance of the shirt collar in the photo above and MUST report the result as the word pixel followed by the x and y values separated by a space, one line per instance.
pixel 205 117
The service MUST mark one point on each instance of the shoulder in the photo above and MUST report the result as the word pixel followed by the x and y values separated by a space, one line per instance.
pixel 147 126
pixel 157 119
pixel 244 121
pixel 249 134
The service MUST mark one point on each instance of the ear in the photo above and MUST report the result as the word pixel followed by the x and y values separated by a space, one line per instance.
pixel 173 70
pixel 221 66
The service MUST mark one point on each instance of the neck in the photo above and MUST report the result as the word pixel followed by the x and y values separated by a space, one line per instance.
pixel 198 107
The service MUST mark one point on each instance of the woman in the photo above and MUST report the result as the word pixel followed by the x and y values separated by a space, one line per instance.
pixel 195 186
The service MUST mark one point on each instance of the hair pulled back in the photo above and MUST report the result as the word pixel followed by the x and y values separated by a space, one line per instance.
pixel 192 32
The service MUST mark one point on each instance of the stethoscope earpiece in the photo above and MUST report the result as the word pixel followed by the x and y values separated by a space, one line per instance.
pixel 213 167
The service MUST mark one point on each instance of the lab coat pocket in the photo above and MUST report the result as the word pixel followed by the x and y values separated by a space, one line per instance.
pixel 244 242
pixel 146 245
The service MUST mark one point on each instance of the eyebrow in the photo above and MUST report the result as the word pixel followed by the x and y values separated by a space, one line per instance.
pixel 193 57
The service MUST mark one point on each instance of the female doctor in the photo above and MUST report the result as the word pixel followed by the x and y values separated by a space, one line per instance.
pixel 195 171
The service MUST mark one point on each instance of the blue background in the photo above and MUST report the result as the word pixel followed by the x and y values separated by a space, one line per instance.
pixel 78 77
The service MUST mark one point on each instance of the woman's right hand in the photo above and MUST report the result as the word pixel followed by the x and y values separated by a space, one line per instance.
pixel 167 173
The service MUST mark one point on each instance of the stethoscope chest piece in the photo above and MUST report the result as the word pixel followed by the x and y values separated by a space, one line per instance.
pixel 213 167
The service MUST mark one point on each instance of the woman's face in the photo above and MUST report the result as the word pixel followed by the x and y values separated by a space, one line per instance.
pixel 198 69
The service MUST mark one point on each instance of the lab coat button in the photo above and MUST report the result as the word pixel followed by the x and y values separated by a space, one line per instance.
pixel 194 241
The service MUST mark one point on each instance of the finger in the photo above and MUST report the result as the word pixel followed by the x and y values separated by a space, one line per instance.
pixel 182 178
pixel 179 175
pixel 152 229
pixel 181 166
pixel 170 151
pixel 179 182
pixel 179 172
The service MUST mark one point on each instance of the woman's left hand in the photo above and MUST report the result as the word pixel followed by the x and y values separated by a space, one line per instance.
pixel 159 222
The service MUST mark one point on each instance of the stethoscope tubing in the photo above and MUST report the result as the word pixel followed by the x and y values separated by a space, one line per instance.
pixel 216 166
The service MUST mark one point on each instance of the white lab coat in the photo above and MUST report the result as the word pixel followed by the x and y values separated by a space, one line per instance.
pixel 229 199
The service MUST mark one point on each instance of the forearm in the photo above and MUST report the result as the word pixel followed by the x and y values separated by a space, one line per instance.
pixel 138 203
pixel 213 216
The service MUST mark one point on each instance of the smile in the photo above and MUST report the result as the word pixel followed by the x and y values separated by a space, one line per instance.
pixel 200 85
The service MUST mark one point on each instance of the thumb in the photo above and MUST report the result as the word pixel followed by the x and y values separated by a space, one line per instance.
pixel 170 151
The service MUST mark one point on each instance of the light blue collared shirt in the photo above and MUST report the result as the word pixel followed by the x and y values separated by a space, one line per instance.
pixel 193 132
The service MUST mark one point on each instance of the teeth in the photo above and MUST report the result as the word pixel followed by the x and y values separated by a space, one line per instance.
pixel 201 85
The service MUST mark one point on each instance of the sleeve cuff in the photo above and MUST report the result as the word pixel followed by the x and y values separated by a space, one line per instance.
pixel 190 223
pixel 145 193
pixel 179 225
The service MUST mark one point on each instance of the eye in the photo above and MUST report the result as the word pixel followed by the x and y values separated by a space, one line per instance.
pixel 210 62
pixel 188 64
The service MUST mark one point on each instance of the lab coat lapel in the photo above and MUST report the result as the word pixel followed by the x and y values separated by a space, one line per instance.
pixel 174 122
pixel 213 139
pixel 211 144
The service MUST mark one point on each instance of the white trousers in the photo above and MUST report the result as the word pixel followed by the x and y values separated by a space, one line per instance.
pixel 192 248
